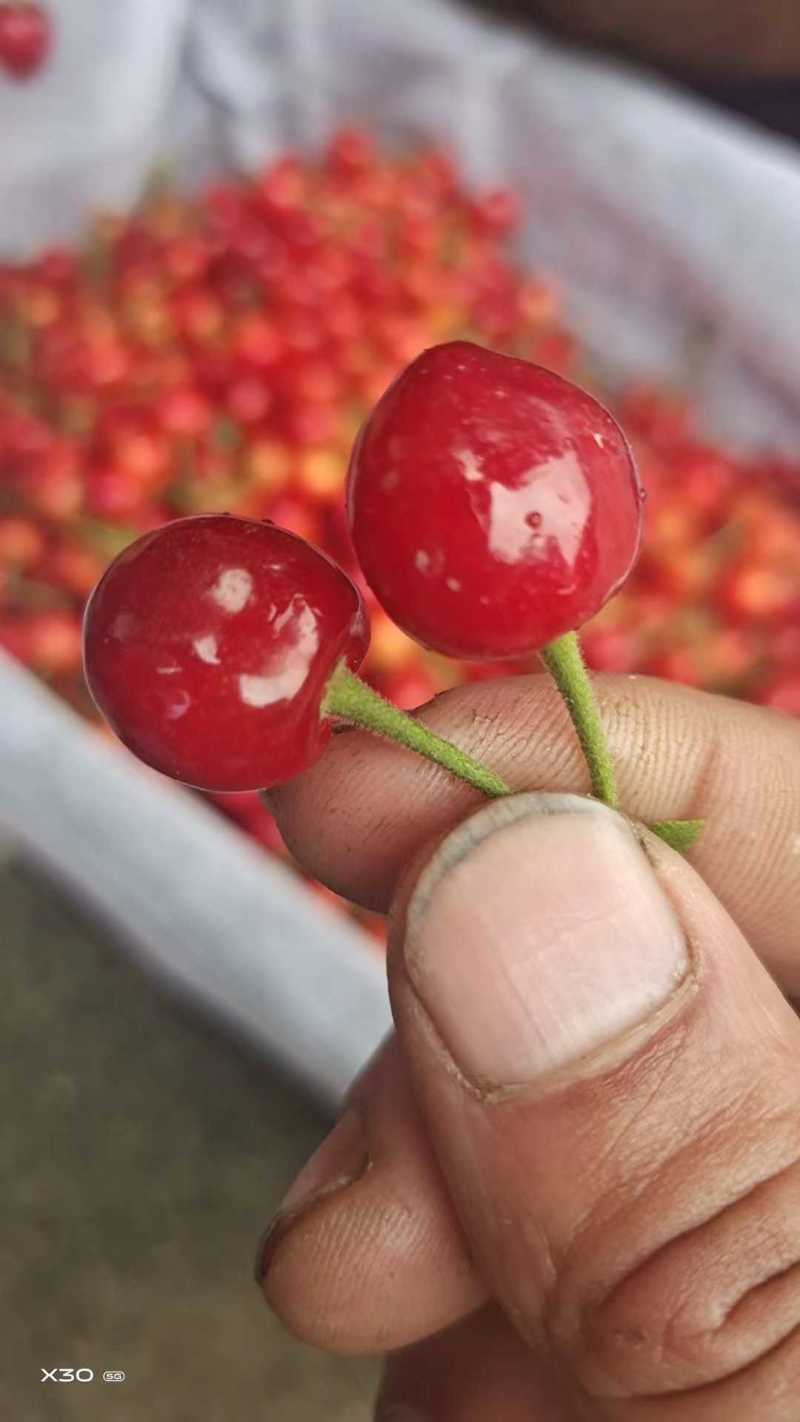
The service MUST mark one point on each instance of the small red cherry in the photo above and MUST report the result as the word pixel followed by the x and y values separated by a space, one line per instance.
pixel 21 543
pixel 51 482
pixel 613 649
pixel 351 150
pixel 184 411
pixel 48 641
pixel 493 505
pixel 248 398
pixel 498 211
pixel 247 808
pixel 26 35
pixel 783 694
pixel 208 646
pixel 410 688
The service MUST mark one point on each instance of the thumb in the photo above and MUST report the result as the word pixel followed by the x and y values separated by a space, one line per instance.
pixel 611 1082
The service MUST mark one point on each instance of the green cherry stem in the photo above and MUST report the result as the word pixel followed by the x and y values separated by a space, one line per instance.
pixel 349 699
pixel 678 834
pixel 564 660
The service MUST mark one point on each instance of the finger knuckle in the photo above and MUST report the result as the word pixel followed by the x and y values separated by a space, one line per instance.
pixel 713 1298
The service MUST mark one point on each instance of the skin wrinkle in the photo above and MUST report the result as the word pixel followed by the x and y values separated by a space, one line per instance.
pixel 613 1146
pixel 710 780
pixel 779 798
pixel 544 723
pixel 689 1393
pixel 759 1188
pixel 582 1242
pixel 679 1394
pixel 609 1223
pixel 373 1224
pixel 593 1222
pixel 651 741
pixel 622 712
pixel 564 753
pixel 707 775
pixel 754 1289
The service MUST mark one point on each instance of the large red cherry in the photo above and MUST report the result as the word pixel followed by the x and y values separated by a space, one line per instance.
pixel 493 505
pixel 208 646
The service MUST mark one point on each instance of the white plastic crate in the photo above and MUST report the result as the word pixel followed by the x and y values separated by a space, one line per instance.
pixel 661 217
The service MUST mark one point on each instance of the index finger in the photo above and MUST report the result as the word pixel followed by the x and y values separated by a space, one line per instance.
pixel 357 818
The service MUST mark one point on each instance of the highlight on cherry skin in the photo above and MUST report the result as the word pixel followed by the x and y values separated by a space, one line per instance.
pixel 494 506
pixel 209 644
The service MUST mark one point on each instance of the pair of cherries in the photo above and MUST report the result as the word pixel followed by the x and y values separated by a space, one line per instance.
pixel 494 508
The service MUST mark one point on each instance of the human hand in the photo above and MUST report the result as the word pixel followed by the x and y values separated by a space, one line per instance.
pixel 579 1155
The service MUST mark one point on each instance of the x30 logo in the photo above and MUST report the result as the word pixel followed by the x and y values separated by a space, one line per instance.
pixel 66 1375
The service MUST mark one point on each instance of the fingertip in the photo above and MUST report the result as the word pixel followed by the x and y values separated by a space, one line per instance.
pixel 374 1260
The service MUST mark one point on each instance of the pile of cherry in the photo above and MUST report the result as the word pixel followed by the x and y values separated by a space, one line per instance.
pixel 221 353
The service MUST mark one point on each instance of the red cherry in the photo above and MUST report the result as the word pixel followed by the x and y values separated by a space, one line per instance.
pixel 26 34
pixel 51 482
pixel 613 649
pixel 785 645
pixel 247 808
pixel 351 150
pixel 70 566
pixel 493 506
pixel 680 664
pixel 257 341
pixel 297 515
pixel 755 591
pixel 114 493
pixel 659 415
pixel 208 645
pixel 50 642
pixel 14 639
pixel 55 642
pixel 21 543
pixel 248 399
pixel 498 212
pixel 410 688
pixel 184 411
pixel 199 316
pixel 783 694
pixel 281 187
pixel 186 258
pixel 58 266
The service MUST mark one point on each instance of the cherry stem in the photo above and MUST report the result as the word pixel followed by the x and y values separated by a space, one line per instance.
pixel 564 660
pixel 678 834
pixel 349 699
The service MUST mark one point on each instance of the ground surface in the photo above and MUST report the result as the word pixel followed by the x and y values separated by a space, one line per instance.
pixel 141 1155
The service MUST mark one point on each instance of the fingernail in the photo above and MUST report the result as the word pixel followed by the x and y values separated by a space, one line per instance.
pixel 339 1161
pixel 537 935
